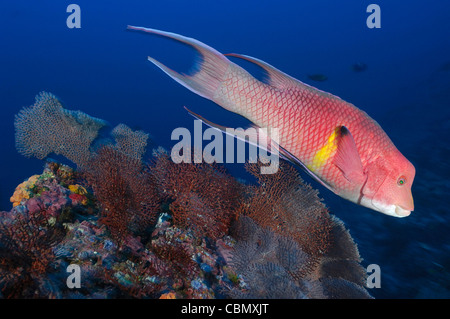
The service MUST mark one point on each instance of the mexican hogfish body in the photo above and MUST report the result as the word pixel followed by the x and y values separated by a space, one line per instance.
pixel 338 144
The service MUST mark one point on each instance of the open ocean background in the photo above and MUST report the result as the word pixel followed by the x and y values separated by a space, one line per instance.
pixel 102 70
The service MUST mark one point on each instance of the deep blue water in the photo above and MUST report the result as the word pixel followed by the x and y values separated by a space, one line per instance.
pixel 102 70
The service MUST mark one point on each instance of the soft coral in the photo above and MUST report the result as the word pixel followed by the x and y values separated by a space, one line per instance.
pixel 202 196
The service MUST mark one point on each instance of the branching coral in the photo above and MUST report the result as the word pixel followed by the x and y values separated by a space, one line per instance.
pixel 26 243
pixel 176 257
pixel 126 192
pixel 291 208
pixel 204 197
pixel 30 232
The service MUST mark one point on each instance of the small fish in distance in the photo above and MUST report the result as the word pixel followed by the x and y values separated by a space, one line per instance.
pixel 317 77
pixel 359 67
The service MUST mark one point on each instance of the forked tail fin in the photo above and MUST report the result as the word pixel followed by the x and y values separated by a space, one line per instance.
pixel 211 68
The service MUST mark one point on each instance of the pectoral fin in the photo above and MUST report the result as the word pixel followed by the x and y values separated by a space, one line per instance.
pixel 347 158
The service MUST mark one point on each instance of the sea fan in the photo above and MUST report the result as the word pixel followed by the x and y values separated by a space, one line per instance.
pixel 288 206
pixel 46 127
pixel 202 196
pixel 126 192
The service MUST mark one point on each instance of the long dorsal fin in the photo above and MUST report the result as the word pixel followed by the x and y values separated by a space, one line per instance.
pixel 276 78
pixel 279 79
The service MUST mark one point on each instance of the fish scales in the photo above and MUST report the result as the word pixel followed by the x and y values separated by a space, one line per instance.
pixel 334 141
pixel 305 119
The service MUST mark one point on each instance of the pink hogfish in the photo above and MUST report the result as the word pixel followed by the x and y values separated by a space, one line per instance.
pixel 337 143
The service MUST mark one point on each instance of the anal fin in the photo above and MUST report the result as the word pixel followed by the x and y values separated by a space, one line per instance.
pixel 272 147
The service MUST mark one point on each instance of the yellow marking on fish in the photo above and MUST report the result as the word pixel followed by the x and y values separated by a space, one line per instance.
pixel 325 152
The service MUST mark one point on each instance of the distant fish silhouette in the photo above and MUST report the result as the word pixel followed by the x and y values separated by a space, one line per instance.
pixel 359 67
pixel 318 77
pixel 445 67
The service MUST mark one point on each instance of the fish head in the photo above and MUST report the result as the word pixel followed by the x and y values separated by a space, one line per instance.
pixel 388 186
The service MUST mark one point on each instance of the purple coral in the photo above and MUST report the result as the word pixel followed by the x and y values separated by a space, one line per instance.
pixel 52 200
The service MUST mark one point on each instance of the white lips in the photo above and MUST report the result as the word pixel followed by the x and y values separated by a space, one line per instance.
pixel 401 212
pixel 391 210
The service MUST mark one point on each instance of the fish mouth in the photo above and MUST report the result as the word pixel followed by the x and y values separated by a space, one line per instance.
pixel 391 210
pixel 401 212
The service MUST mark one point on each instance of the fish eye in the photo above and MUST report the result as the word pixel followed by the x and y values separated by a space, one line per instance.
pixel 401 180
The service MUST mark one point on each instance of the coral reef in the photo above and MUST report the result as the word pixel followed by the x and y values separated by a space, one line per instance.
pixel 46 127
pixel 132 143
pixel 22 190
pixel 291 208
pixel 202 196
pixel 160 229
pixel 289 246
pixel 126 192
